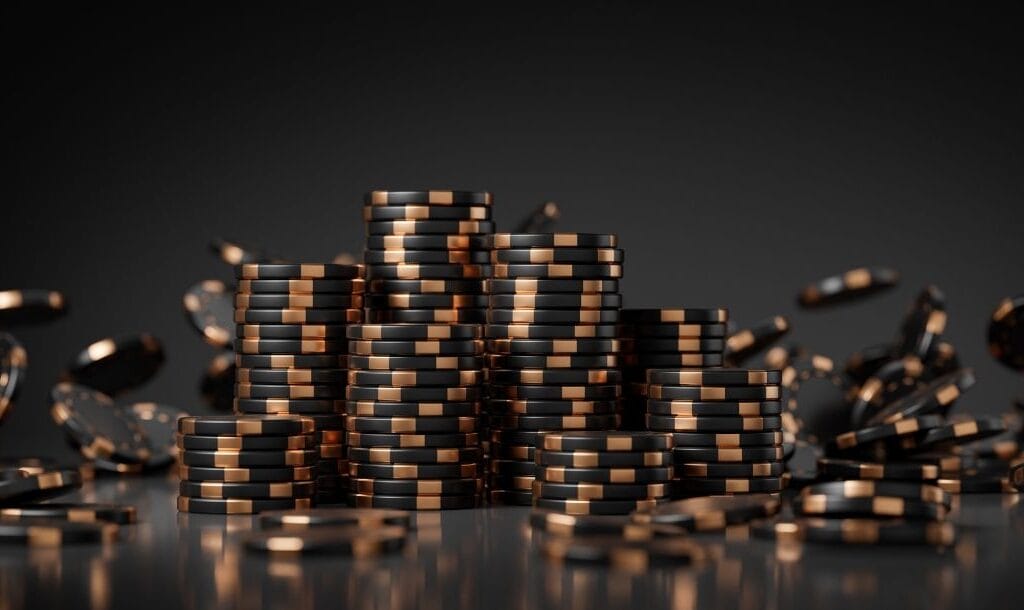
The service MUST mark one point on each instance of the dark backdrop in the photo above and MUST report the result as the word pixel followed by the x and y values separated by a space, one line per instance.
pixel 738 155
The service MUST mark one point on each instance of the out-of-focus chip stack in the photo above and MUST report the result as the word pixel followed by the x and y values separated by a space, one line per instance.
pixel 553 306
pixel 416 371
pixel 246 464
pixel 726 426
pixel 290 352
pixel 667 339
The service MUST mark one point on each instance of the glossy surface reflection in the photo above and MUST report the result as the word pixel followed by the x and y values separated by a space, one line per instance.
pixel 483 559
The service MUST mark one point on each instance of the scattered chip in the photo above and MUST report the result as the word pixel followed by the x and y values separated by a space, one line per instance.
pixel 115 365
pixel 31 488
pixel 97 426
pixel 848 286
pixel 923 325
pixel 1006 332
pixel 210 311
pixel 851 469
pixel 745 343
pixel 712 513
pixel 160 424
pixel 30 306
pixel 13 366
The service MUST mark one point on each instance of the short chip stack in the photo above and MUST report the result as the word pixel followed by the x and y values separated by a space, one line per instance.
pixel 602 473
pixel 553 306
pixel 291 351
pixel 667 339
pixel 726 426
pixel 426 256
pixel 246 464
pixel 413 415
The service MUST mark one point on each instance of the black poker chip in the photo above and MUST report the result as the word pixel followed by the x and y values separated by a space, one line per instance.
pixel 290 361
pixel 556 255
pixel 892 470
pixel 769 423
pixel 427 197
pixel 290 331
pixel 873 439
pixel 960 432
pixel 426 257
pixel 426 316
pixel 415 363
pixel 430 502
pixel 389 455
pixel 599 459
pixel 607 441
pixel 1006 332
pixel 296 406
pixel 879 506
pixel 556 301
pixel 426 242
pixel 298 316
pixel 713 377
pixel 413 332
pixel 13 366
pixel 431 286
pixel 413 394
pixel 290 346
pixel 556 422
pixel 675 316
pixel 298 301
pixel 209 309
pixel 661 361
pixel 923 324
pixel 557 350
pixel 549 285
pixel 553 240
pixel 403 301
pixel 245 443
pixel 552 316
pixel 453 347
pixel 217 489
pixel 32 488
pixel 412 425
pixel 746 342
pixel 160 424
pixel 240 506
pixel 369 408
pixel 1017 476
pixel 234 253
pixel 923 492
pixel 426 212
pixel 411 271
pixel 242 475
pixel 428 487
pixel 548 332
pixel 56 533
pixel 413 471
pixel 716 486
pixel 556 392
pixel 595 507
pixel 249 459
pixel 514 437
pixel 691 408
pixel 252 425
pixel 75 512
pixel 857 531
pixel 937 396
pixel 554 376
pixel 600 491
pixel 667 330
pixel 294 391
pixel 30 306
pixel 711 513
pixel 429 227
pixel 361 439
pixel 552 407
pixel 561 474
pixel 291 376
pixel 114 365
pixel 297 271
pixel 683 345
pixel 372 540
pixel 706 393
pixel 727 439
pixel 686 455
pixel 847 286
pixel 717 470
pixel 513 468
pixel 415 378
pixel 288 287
pixel 97 426
pixel 558 271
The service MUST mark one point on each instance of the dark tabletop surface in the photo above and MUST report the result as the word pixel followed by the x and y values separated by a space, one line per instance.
pixel 484 559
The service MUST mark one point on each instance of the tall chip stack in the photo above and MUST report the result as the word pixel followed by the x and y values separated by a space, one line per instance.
pixel 290 352
pixel 246 464
pixel 666 338
pixel 416 369
pixel 553 306
pixel 726 426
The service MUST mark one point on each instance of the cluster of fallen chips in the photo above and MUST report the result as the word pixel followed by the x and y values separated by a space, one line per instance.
pixel 553 353
pixel 28 519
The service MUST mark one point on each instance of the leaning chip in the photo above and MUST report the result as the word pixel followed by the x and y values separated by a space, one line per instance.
pixel 745 343
pixel 211 312
pixel 848 286
pixel 13 365
pixel 100 428
pixel 1006 332
pixel 31 488
pixel 850 469
pixel 114 365
pixel 867 489
pixel 30 306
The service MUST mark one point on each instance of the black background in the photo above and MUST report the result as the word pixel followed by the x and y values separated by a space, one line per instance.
pixel 738 155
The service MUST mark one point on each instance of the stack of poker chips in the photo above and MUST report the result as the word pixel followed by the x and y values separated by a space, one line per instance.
pixel 726 426
pixel 666 338
pixel 246 464
pixel 291 351
pixel 553 306
pixel 413 415
pixel 603 473
pixel 426 256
